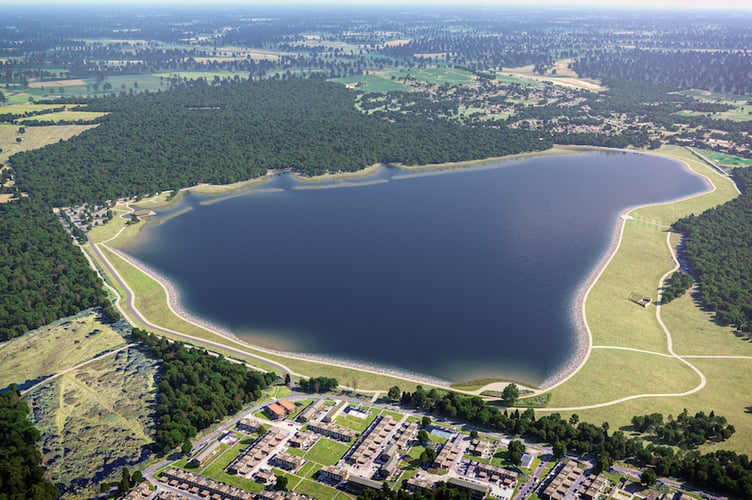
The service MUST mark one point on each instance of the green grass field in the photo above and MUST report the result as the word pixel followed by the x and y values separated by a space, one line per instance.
pixel 436 76
pixel 724 159
pixel 372 83
pixel 56 347
pixel 611 374
pixel 326 452
pixel 514 80
pixel 741 110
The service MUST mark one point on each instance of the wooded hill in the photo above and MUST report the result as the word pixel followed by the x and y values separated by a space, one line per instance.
pixel 233 132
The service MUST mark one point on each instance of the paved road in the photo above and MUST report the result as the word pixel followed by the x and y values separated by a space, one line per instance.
pixel 135 313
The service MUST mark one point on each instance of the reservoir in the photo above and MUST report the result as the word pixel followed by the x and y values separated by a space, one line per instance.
pixel 455 274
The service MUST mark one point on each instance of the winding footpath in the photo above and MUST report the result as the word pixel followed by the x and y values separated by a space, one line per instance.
pixel 73 368
pixel 669 339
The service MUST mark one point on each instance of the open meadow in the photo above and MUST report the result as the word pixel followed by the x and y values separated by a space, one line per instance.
pixel 632 355
pixel 56 347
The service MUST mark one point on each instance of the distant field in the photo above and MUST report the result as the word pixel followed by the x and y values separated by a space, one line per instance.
pixel 26 107
pixel 436 75
pixel 34 137
pixel 567 79
pixel 56 347
pixel 515 80
pixel 724 159
pixel 372 83
pixel 741 112
pixel 69 116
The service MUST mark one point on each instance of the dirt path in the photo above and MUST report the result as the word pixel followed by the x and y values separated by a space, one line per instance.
pixel 80 365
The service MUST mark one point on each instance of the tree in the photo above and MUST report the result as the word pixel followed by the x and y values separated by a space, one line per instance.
pixel 137 477
pixel 186 448
pixel 427 456
pixel 281 483
pixel 125 481
pixel 394 393
pixel 425 422
pixel 423 437
pixel 574 418
pixel 510 394
pixel 287 379
pixel 559 449
pixel 648 477
pixel 516 449
pixel 603 463
pixel 473 434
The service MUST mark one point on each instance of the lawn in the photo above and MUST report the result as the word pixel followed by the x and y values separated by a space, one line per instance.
pixel 56 347
pixel 327 451
pixel 724 159
pixel 355 423
pixel 436 76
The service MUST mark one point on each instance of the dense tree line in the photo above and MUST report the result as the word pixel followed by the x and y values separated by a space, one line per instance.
pixel 719 71
pixel 676 286
pixel 442 492
pixel 319 384
pixel 228 133
pixel 21 473
pixel 685 430
pixel 43 277
pixel 196 389
pixel 723 471
pixel 718 248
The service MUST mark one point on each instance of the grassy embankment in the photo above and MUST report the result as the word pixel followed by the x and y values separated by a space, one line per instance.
pixel 151 297
pixel 611 374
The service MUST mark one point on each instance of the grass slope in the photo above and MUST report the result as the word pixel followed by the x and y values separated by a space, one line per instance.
pixel 56 347
pixel 613 374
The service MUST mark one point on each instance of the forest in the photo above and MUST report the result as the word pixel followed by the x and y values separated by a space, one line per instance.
pixel 718 248
pixel 43 276
pixel 722 471
pixel 718 71
pixel 232 132
pixel 197 389
pixel 21 472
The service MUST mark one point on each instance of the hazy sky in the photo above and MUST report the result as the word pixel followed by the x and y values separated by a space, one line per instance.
pixel 673 4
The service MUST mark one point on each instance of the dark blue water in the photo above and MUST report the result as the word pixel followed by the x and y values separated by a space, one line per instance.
pixel 458 275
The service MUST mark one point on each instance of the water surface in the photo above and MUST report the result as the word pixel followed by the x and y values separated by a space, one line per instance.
pixel 460 275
